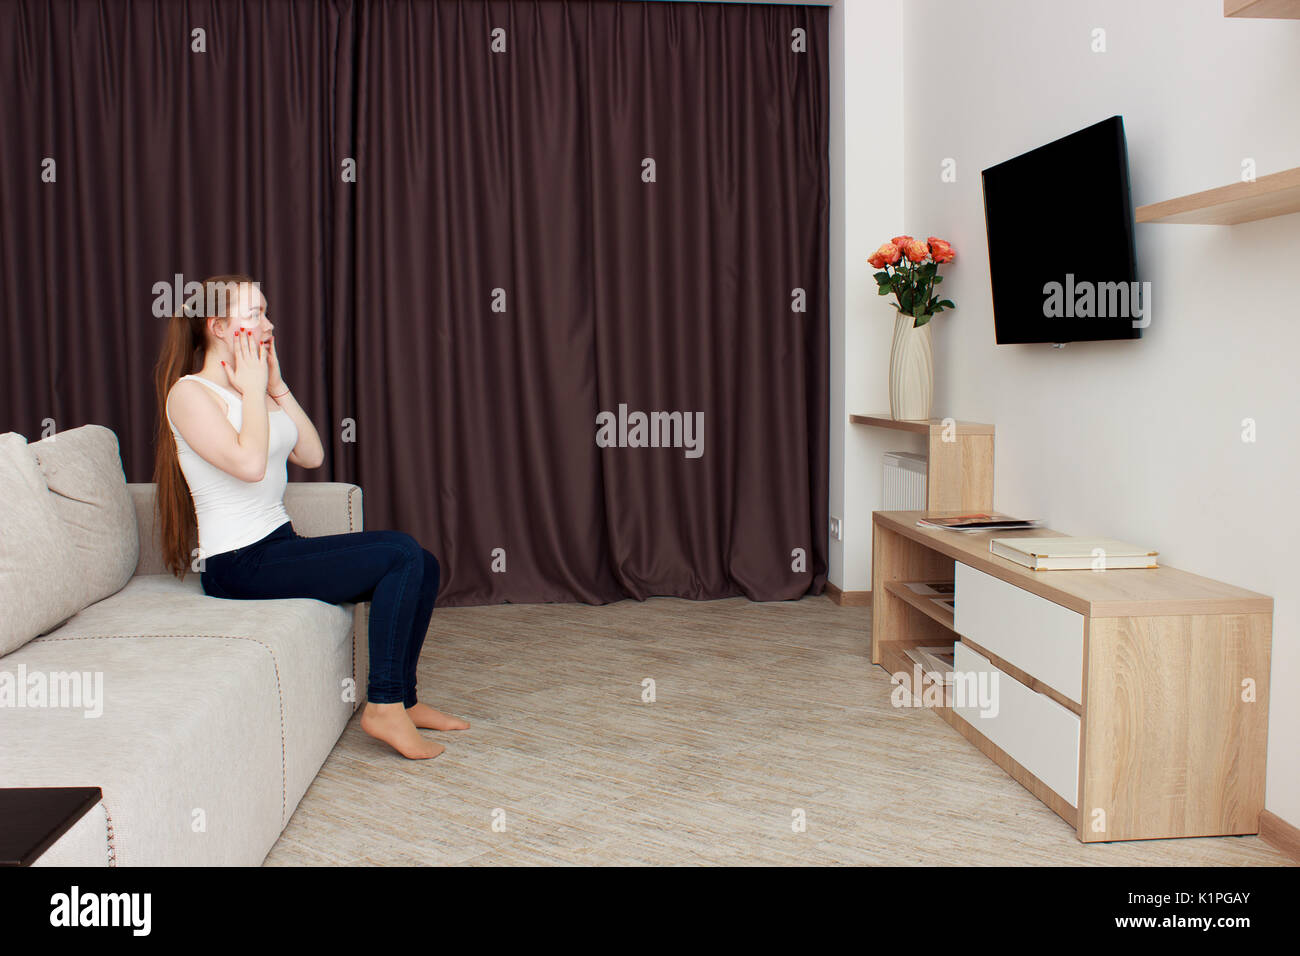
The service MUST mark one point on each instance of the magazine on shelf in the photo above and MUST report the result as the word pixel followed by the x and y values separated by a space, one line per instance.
pixel 978 522
pixel 931 588
pixel 940 593
pixel 935 662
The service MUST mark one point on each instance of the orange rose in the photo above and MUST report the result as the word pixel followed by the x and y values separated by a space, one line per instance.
pixel 901 241
pixel 888 254
pixel 916 250
pixel 940 250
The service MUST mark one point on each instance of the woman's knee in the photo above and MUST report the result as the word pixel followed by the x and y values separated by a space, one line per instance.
pixel 408 552
pixel 432 570
pixel 405 549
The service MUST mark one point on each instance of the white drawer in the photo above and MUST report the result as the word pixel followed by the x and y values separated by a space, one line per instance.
pixel 1034 730
pixel 1043 639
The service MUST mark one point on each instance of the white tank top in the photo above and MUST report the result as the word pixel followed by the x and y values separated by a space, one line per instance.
pixel 232 513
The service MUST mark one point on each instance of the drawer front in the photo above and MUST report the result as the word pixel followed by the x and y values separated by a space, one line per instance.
pixel 1043 639
pixel 1034 730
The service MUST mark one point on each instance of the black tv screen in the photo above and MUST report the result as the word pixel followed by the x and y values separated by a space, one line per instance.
pixel 1061 248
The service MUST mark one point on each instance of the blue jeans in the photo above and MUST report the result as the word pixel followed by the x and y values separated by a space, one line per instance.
pixel 387 568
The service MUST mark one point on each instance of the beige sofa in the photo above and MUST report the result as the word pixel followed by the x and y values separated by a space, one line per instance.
pixel 203 720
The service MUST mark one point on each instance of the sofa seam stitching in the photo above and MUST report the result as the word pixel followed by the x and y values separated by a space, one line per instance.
pixel 112 836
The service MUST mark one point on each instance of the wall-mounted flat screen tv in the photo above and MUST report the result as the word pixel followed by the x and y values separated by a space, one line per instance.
pixel 1061 245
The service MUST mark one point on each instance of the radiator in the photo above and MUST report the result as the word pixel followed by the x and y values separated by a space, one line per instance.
pixel 904 481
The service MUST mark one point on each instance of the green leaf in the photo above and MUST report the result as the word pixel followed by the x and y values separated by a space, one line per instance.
pixel 927 270
pixel 884 290
pixel 882 276
pixel 905 301
pixel 920 321
pixel 918 309
pixel 938 279
pixel 947 303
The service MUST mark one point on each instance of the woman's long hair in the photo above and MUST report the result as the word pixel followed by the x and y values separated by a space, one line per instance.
pixel 182 353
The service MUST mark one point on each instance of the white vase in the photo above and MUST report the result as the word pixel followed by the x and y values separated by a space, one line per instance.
pixel 911 371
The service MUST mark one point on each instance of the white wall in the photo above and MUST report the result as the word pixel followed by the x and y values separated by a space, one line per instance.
pixel 866 169
pixel 1136 440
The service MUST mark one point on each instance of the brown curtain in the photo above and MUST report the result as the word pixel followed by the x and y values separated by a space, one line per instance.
pixel 559 209
pixel 166 161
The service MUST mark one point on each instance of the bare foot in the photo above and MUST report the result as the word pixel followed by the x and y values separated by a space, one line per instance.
pixel 422 715
pixel 390 723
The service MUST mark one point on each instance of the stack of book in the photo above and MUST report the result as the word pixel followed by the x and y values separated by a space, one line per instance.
pixel 1073 554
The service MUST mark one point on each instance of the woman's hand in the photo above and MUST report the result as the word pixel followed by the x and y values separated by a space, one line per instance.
pixel 274 383
pixel 249 375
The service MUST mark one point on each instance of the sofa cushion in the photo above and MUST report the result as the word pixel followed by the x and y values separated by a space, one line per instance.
pixel 83 470
pixel 185 745
pixel 38 588
pixel 229 707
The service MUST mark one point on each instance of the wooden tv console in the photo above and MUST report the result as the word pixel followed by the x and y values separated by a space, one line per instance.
pixel 1134 703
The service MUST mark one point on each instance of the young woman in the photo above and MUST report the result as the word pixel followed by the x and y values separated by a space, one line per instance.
pixel 227 424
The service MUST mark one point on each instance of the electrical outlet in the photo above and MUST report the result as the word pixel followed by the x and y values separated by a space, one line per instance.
pixel 836 529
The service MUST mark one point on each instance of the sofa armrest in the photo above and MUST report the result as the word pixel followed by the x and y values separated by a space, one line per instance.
pixel 323 507
pixel 333 507
pixel 316 508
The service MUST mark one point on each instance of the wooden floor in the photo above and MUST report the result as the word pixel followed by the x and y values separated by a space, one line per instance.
pixel 762 712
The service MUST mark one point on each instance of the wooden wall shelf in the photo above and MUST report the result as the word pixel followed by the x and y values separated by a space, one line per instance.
pixel 920 427
pixel 959 463
pixel 1263 9
pixel 1277 194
